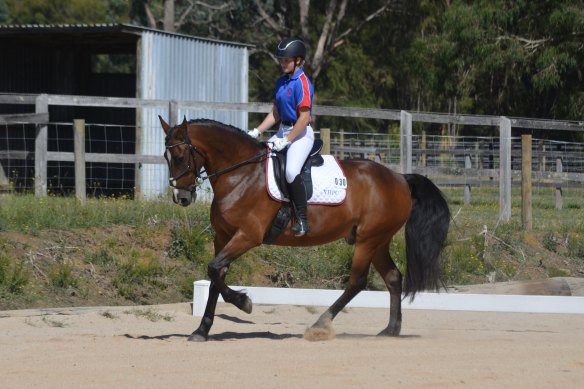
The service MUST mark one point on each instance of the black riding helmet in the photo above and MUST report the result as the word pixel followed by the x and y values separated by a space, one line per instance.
pixel 291 48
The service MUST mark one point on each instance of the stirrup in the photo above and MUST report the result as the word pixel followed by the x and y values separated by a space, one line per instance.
pixel 301 228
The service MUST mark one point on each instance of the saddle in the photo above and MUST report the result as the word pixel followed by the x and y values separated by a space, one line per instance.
pixel 314 159
pixel 285 213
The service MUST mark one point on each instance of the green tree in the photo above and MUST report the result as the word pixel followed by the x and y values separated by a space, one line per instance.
pixel 57 11
pixel 4 15
pixel 118 11
pixel 502 58
pixel 494 57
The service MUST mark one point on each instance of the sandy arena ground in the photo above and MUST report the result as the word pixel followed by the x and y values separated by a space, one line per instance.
pixel 130 347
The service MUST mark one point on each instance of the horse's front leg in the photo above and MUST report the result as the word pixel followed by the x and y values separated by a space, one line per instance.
pixel 217 269
pixel 201 334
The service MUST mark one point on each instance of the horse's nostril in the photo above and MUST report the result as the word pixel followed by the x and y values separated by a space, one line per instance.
pixel 184 202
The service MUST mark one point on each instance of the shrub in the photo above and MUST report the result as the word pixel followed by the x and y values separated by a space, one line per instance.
pixel 189 240
pixel 13 277
pixel 61 276
pixel 101 257
pixel 134 276
pixel 576 246
pixel 550 242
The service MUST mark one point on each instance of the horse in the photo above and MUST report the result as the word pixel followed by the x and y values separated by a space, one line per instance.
pixel 378 203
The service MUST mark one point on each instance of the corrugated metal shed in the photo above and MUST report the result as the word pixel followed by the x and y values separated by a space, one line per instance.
pixel 56 59
pixel 182 68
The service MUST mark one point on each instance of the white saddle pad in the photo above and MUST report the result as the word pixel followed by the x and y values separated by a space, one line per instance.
pixel 328 181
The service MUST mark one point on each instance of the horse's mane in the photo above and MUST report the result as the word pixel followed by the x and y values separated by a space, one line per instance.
pixel 224 127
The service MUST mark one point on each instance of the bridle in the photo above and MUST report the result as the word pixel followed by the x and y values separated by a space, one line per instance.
pixel 192 163
pixel 194 166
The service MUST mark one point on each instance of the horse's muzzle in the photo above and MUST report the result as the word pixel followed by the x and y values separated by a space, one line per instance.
pixel 184 197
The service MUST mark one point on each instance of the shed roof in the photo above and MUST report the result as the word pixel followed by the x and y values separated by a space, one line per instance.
pixel 95 34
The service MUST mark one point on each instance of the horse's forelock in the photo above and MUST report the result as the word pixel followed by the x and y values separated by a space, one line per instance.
pixel 175 132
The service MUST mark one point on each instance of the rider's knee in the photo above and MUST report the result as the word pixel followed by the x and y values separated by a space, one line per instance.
pixel 291 176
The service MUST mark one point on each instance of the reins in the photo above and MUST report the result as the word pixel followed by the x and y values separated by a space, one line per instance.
pixel 193 149
pixel 233 167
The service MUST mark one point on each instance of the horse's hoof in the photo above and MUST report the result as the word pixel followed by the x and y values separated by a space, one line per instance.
pixel 196 337
pixel 247 305
pixel 321 330
pixel 317 334
pixel 390 332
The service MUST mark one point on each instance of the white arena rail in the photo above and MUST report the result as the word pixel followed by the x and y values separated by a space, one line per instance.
pixel 371 299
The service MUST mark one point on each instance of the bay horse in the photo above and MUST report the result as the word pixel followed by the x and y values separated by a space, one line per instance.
pixel 378 203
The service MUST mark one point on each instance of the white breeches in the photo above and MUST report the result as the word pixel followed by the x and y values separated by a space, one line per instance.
pixel 297 152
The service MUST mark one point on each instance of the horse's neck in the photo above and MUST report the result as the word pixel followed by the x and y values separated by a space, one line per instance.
pixel 225 149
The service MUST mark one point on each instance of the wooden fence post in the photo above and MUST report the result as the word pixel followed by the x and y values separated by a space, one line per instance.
pixel 325 135
pixel 405 129
pixel 4 182
pixel 559 195
pixel 341 144
pixel 138 147
pixel 541 155
pixel 79 147
pixel 526 157
pixel 479 154
pixel 467 165
pixel 424 145
pixel 504 169
pixel 40 148
pixel 173 118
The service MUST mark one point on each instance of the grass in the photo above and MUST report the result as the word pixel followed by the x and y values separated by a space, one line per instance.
pixel 164 248
pixel 53 323
pixel 109 315
pixel 14 276
pixel 149 314
pixel 29 214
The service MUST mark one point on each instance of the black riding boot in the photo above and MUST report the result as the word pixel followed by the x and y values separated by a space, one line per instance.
pixel 298 198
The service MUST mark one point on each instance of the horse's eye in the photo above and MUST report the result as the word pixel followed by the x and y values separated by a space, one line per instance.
pixel 180 159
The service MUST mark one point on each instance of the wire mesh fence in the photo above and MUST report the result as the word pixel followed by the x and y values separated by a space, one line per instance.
pixel 17 144
pixel 17 149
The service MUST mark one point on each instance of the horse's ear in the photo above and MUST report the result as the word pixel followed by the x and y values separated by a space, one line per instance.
pixel 165 125
pixel 184 125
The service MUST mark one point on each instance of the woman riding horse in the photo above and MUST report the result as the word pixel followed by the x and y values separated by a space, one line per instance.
pixel 292 107
pixel 378 203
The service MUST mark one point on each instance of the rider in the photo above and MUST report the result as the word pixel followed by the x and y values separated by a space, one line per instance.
pixel 293 109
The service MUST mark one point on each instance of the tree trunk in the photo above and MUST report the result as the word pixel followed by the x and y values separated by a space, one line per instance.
pixel 168 21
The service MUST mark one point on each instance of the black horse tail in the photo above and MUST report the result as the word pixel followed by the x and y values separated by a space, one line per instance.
pixel 425 234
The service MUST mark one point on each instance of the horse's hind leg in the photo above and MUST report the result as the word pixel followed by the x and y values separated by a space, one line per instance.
pixel 393 280
pixel 357 282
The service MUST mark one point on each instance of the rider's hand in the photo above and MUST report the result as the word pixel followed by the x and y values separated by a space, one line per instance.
pixel 280 143
pixel 254 133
